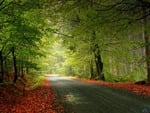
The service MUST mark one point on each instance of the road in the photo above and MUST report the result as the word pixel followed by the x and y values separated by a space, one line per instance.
pixel 80 97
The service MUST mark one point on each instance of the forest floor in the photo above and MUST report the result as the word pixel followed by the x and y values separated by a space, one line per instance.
pixel 39 100
pixel 141 89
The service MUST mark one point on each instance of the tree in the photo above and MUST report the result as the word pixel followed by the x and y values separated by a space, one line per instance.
pixel 139 9
pixel 146 36
pixel 19 32
pixel 81 18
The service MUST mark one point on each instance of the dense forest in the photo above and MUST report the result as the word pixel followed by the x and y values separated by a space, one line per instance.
pixel 97 39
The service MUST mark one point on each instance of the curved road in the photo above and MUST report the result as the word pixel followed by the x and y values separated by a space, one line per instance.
pixel 80 97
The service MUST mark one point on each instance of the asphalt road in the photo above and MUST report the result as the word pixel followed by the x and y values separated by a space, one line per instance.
pixel 80 97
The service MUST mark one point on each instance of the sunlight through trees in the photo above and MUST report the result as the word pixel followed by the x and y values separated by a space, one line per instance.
pixel 96 39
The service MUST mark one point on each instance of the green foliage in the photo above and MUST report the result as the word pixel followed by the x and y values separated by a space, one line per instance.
pixel 35 80
pixel 21 32
pixel 117 33
pixel 64 36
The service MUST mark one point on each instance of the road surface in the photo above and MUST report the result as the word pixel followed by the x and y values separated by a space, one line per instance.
pixel 80 97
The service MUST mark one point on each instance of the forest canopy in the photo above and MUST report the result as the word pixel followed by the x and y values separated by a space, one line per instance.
pixel 96 39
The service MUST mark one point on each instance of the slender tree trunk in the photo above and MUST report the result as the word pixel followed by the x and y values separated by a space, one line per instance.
pixel 99 65
pixel 27 70
pixel 2 67
pixel 15 65
pixel 22 70
pixel 98 59
pixel 91 70
pixel 147 43
pixel 6 69
pixel 147 52
pixel 19 67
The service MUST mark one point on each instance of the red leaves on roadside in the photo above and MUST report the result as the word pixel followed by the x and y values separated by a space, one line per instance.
pixel 139 89
pixel 39 100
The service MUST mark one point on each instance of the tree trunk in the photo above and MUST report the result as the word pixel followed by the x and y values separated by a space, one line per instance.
pixel 22 68
pixel 99 65
pixel 27 70
pixel 98 59
pixel 6 69
pixel 15 65
pixel 91 70
pixel 2 67
pixel 147 53
pixel 147 43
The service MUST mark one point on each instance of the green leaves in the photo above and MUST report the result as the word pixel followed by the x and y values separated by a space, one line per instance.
pixel 118 34
pixel 114 26
pixel 21 28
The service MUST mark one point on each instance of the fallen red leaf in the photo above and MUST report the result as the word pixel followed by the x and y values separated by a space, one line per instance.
pixel 39 100
pixel 139 89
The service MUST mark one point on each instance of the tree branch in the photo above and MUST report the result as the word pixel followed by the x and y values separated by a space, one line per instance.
pixel 109 7
pixel 59 33
pixel 1 3
pixel 6 5
pixel 142 17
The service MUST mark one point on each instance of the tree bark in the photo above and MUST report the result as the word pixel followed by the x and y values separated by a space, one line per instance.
pixel 91 70
pixel 22 68
pixel 98 59
pixel 15 65
pixel 2 67
pixel 147 53
pixel 99 65
pixel 91 66
pixel 147 43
